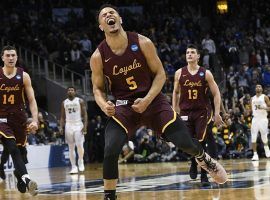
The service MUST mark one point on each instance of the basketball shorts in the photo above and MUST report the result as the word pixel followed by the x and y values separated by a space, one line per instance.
pixel 74 134
pixel 259 125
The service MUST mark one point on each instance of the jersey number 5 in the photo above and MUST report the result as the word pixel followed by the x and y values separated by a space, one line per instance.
pixel 8 99
pixel 132 84
pixel 192 94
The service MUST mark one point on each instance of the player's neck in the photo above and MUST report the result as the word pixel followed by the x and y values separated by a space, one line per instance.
pixel 193 66
pixel 9 71
pixel 71 98
pixel 117 41
pixel 258 94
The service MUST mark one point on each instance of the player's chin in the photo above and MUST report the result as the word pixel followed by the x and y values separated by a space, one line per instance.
pixel 113 31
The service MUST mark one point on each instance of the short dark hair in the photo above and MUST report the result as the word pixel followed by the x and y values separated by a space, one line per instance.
pixel 105 6
pixel 7 48
pixel 71 87
pixel 193 46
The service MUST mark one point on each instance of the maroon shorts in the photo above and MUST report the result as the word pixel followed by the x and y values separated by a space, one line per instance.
pixel 197 121
pixel 14 127
pixel 157 116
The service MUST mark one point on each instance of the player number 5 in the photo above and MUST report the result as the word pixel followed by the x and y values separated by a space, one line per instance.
pixel 132 84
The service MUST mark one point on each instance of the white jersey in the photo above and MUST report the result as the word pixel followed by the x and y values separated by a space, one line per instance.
pixel 257 104
pixel 73 110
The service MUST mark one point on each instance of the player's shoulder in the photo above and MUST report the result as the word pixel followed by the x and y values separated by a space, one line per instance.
pixel 208 72
pixel 143 40
pixel 80 99
pixel 25 75
pixel 178 72
pixel 96 54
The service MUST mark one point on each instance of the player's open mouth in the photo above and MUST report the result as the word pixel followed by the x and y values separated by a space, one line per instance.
pixel 111 21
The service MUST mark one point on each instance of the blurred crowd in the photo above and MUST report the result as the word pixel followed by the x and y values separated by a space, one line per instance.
pixel 235 46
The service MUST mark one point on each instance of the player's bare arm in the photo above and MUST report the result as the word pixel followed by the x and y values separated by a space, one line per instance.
pixel 98 84
pixel 32 101
pixel 84 116
pixel 155 65
pixel 176 91
pixel 62 118
pixel 217 98
pixel 267 101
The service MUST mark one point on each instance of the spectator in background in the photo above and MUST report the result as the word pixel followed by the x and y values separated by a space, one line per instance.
pixel 209 44
pixel 75 53
pixel 86 46
pixel 127 154
pixel 206 58
pixel 266 76
pixel 98 139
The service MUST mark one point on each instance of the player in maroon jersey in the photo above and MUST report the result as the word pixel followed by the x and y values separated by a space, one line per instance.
pixel 136 76
pixel 14 82
pixel 192 101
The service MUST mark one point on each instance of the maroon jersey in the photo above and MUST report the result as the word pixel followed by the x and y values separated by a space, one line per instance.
pixel 129 75
pixel 11 92
pixel 194 90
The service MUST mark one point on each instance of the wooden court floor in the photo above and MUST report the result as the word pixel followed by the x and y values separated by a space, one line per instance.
pixel 248 180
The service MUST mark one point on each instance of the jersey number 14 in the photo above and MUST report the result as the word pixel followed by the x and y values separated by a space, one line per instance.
pixel 8 99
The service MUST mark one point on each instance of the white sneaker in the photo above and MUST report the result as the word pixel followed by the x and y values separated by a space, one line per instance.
pixel 255 157
pixel 215 170
pixel 74 170
pixel 267 151
pixel 81 165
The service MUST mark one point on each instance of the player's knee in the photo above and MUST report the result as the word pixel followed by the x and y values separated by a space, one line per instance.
pixel 23 151
pixel 253 138
pixel 110 151
pixel 13 150
pixel 265 139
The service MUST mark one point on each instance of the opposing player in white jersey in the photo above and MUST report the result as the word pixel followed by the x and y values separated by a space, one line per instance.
pixel 74 121
pixel 260 104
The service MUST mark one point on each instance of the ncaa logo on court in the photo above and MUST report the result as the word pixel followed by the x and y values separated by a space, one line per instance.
pixel 201 74
pixel 134 47
pixel 18 77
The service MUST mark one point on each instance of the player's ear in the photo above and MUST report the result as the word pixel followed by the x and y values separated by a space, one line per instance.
pixel 100 27
pixel 121 21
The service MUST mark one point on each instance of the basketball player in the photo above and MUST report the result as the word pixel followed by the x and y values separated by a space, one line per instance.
pixel 192 101
pixel 136 76
pixel 5 155
pixel 13 83
pixel 260 104
pixel 74 120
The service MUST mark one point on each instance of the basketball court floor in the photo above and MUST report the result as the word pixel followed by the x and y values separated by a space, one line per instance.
pixel 248 180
